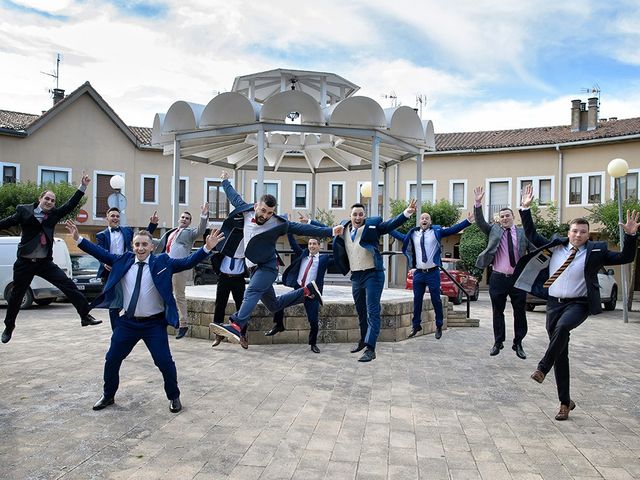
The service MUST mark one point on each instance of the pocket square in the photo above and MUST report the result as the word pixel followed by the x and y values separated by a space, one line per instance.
pixel 596 250
pixel 161 271
pixel 372 226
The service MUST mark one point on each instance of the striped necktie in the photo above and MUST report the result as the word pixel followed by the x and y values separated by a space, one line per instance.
pixel 562 268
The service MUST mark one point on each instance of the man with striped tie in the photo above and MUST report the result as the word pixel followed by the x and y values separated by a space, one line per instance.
pixel 565 269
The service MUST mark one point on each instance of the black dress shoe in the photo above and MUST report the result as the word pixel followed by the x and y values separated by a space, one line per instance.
pixel 414 331
pixel 368 355
pixel 360 346
pixel 315 349
pixel 217 341
pixel 6 335
pixel 495 350
pixel 182 331
pixel 175 406
pixel 517 347
pixel 88 319
pixel 277 328
pixel 104 402
pixel 438 333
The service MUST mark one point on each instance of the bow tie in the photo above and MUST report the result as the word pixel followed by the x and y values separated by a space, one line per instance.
pixel 253 220
pixel 116 229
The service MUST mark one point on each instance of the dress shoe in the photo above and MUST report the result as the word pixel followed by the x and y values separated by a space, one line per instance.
pixel 88 319
pixel 360 346
pixel 438 333
pixel 495 350
pixel 229 330
pixel 538 376
pixel 217 341
pixel 104 402
pixel 277 328
pixel 563 414
pixel 182 331
pixel 368 355
pixel 414 331
pixel 174 405
pixel 517 347
pixel 6 334
pixel 315 349
pixel 312 291
pixel 244 342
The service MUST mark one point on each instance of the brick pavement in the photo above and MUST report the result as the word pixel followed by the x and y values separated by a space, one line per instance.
pixel 424 409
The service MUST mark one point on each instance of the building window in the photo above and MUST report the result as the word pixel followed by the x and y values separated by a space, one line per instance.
pixel 336 199
pixel 499 194
pixel 183 191
pixel 270 188
pixel 218 202
pixel 9 173
pixel 53 175
pixel 545 195
pixel 575 190
pixel 542 189
pixel 149 189
pixel 428 191
pixel 102 191
pixel 585 189
pixel 629 186
pixel 595 189
pixel 300 195
pixel 458 193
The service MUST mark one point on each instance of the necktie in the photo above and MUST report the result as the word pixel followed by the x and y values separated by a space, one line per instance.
pixel 303 283
pixel 353 233
pixel 512 255
pixel 43 237
pixel 115 229
pixel 253 220
pixel 423 247
pixel 562 268
pixel 171 239
pixel 131 309
pixel 232 264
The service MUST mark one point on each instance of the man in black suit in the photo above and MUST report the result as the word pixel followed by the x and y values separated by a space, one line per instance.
pixel 35 254
pixel 572 287
pixel 231 274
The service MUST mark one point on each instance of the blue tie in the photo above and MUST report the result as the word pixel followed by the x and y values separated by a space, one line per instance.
pixel 423 248
pixel 232 264
pixel 131 309
pixel 353 233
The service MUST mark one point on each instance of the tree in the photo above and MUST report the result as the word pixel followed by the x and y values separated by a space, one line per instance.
pixel 547 224
pixel 472 242
pixel 442 213
pixel 13 194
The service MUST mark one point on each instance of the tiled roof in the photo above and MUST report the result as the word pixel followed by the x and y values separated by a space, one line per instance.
pixel 16 120
pixel 143 134
pixel 533 136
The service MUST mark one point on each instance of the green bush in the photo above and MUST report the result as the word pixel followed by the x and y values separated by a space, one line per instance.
pixel 472 242
pixel 442 213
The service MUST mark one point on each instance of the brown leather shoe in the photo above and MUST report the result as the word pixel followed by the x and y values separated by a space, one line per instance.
pixel 563 414
pixel 217 341
pixel 538 376
pixel 244 342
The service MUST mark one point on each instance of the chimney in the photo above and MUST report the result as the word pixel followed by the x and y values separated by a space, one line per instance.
pixel 592 115
pixel 58 94
pixel 575 115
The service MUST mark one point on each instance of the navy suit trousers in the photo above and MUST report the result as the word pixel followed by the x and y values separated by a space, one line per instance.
pixel 421 281
pixel 366 287
pixel 312 308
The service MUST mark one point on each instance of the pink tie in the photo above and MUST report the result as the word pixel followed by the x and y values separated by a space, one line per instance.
pixel 43 237
pixel 303 283
pixel 171 239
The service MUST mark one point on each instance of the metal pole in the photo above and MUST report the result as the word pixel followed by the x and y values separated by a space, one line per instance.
pixel 260 183
pixel 623 267
pixel 375 166
pixel 176 183
pixel 419 158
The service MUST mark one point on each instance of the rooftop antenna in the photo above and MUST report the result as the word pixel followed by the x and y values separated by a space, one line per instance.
pixel 594 90
pixel 421 100
pixel 393 97
pixel 55 74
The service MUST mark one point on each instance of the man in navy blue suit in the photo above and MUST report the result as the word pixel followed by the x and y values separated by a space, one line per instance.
pixel 356 249
pixel 252 231
pixel 421 246
pixel 308 266
pixel 145 291
pixel 117 239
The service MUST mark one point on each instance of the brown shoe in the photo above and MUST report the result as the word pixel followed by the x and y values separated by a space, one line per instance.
pixel 217 341
pixel 563 414
pixel 538 376
pixel 244 342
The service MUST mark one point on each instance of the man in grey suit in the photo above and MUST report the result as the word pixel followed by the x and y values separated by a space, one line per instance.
pixel 178 243
pixel 506 243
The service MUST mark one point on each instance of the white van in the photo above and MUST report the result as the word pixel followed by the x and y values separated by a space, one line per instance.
pixel 40 291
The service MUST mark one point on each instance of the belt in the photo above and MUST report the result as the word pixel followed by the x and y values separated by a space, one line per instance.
pixel 157 316
pixel 570 300
pixel 34 260
pixel 503 274
pixel 427 270
pixel 232 275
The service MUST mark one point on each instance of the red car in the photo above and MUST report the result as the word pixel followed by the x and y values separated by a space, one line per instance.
pixel 447 287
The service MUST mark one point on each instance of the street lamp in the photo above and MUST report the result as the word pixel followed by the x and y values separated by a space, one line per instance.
pixel 117 199
pixel 365 191
pixel 618 168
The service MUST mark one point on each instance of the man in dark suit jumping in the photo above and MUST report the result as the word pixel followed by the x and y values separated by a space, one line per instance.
pixel 35 254
pixel 565 270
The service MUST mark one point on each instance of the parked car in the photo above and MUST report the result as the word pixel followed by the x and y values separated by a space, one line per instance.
pixel 85 269
pixel 203 273
pixel 458 271
pixel 608 291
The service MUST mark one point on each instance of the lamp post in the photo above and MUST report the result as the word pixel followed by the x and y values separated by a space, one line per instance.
pixel 118 200
pixel 365 191
pixel 618 168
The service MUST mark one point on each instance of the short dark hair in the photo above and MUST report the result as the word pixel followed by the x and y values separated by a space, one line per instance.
pixel 144 233
pixel 317 239
pixel 45 192
pixel 579 221
pixel 357 205
pixel 505 208
pixel 188 213
pixel 269 200
pixel 113 209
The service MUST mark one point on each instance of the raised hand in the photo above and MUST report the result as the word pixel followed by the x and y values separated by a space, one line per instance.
pixel 224 175
pixel 85 180
pixel 478 193
pixel 215 237
pixel 631 227
pixel 527 196
pixel 338 230
pixel 205 209
pixel 154 218
pixel 73 230
pixel 411 209
pixel 471 217
pixel 302 218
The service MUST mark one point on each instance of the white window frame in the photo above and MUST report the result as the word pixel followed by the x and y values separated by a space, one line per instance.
pixel 612 186
pixel 433 183
pixel 254 183
pixel 55 169
pixel 344 195
pixel 535 182
pixel 585 188
pixel 186 191
pixel 466 191
pixel 155 189
pixel 487 189
pixel 9 164
pixel 293 194
pixel 95 189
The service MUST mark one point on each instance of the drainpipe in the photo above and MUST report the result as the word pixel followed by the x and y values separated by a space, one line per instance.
pixel 394 260
pixel 560 180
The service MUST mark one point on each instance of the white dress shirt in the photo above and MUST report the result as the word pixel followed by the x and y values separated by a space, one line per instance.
pixel 313 271
pixel 571 282
pixel 430 244
pixel 252 229
pixel 116 239
pixel 149 302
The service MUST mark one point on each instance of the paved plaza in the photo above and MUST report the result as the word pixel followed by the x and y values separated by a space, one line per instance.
pixel 424 409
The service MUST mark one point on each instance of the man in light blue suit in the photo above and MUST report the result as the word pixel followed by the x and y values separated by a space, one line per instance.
pixel 145 291
pixel 421 246
pixel 252 231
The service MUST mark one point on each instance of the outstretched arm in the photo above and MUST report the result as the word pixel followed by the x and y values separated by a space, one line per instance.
pixel 445 232
pixel 234 197
pixel 91 248
pixel 153 222
pixel 482 224
pixel 181 264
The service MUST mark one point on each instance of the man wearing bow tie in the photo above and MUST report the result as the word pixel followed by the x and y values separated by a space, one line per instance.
pixel 117 239
pixel 308 266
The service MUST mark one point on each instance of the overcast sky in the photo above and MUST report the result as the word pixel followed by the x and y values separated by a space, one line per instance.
pixel 480 64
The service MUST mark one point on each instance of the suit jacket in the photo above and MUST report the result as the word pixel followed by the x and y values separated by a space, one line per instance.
pixel 374 228
pixel 162 268
pixel 183 243
pixel 408 247
pixel 103 239
pixel 32 228
pixel 291 273
pixel 533 269
pixel 494 234
pixel 261 249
